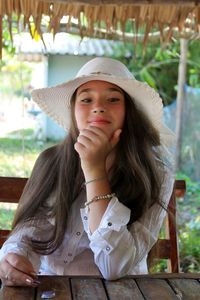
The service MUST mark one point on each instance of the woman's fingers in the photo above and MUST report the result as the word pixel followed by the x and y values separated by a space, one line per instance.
pixel 84 140
pixel 16 270
pixel 91 142
pixel 20 263
pixel 92 135
pixel 14 277
pixel 115 138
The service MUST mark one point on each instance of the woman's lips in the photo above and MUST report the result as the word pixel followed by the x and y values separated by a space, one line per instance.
pixel 99 121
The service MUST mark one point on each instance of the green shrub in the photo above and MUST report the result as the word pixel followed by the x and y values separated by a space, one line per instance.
pixel 189 226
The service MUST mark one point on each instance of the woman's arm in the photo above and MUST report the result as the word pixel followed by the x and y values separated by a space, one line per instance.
pixel 94 148
pixel 117 249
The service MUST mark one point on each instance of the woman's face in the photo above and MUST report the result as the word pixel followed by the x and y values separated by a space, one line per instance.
pixel 100 104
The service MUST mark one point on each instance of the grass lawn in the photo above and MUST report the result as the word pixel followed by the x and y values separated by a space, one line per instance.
pixel 17 156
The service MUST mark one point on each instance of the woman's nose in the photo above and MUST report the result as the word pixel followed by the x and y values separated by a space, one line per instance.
pixel 98 110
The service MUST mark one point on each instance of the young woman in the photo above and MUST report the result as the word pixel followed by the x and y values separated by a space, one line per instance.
pixel 94 203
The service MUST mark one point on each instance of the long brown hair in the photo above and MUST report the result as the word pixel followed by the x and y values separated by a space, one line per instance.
pixel 136 178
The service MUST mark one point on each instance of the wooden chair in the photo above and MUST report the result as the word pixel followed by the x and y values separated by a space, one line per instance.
pixel 11 189
pixel 167 248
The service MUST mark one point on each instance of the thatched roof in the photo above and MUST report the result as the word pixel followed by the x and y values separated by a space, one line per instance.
pixel 106 19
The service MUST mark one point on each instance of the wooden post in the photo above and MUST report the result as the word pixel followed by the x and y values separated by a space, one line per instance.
pixel 180 99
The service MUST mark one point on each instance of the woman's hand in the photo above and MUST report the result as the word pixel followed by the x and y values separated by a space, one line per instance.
pixel 17 270
pixel 93 147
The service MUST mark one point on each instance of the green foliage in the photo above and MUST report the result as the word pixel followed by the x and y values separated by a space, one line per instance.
pixel 7 41
pixel 189 225
pixel 6 217
pixel 8 49
pixel 193 71
pixel 15 74
pixel 153 64
pixel 157 64
pixel 190 249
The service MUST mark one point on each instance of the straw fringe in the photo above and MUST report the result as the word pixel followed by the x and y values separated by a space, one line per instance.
pixel 114 16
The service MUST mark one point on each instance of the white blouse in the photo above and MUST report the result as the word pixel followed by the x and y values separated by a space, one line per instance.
pixel 113 250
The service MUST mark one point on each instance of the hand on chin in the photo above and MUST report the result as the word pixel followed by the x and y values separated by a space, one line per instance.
pixel 108 131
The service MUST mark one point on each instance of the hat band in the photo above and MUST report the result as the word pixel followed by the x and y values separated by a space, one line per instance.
pixel 98 73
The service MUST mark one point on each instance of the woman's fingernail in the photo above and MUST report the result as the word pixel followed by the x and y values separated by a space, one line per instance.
pixel 29 281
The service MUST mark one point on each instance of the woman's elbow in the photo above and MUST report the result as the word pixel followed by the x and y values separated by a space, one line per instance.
pixel 115 271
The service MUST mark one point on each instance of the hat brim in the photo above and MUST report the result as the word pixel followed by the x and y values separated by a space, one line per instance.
pixel 55 101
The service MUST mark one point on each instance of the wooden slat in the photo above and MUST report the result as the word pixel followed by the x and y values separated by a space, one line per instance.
pixel 181 286
pixel 154 276
pixel 3 236
pixel 180 188
pixel 88 289
pixel 156 289
pixel 123 289
pixel 162 249
pixel 167 276
pixel 11 188
pixel 17 293
pixel 60 285
pixel 174 265
pixel 186 289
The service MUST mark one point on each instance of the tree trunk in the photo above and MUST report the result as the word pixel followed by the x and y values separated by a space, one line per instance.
pixel 180 99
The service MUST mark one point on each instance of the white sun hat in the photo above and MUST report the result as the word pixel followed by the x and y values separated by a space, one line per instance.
pixel 55 101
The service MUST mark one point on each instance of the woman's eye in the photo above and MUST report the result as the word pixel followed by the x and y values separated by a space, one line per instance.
pixel 86 100
pixel 113 99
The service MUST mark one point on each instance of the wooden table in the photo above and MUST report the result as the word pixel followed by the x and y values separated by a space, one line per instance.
pixel 156 287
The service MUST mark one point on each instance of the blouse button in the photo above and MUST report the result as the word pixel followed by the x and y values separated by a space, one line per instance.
pixel 65 261
pixel 108 248
pixel 69 254
pixel 78 233
pixel 85 218
pixel 109 224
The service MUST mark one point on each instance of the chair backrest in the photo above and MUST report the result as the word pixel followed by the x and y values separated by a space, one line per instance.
pixel 11 189
pixel 167 248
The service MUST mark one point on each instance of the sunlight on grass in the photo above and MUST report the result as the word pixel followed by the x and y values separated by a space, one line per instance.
pixel 17 158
